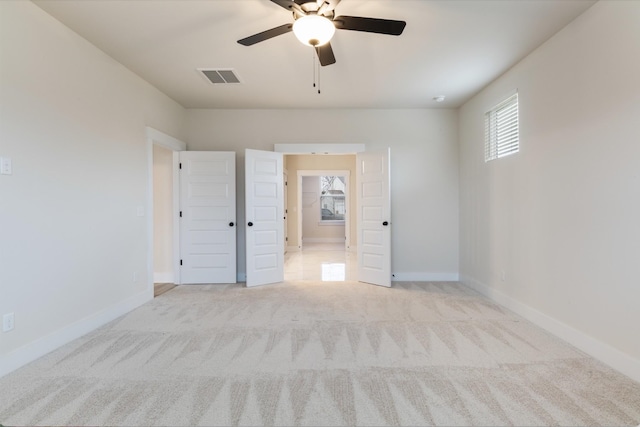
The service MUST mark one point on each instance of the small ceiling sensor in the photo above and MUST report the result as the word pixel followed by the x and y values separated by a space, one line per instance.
pixel 438 98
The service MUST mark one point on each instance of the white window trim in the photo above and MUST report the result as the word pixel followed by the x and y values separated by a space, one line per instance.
pixel 502 129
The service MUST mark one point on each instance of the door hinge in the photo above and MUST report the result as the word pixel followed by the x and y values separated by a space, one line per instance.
pixel 286 183
pixel 180 262
pixel 286 239
pixel 180 214
pixel 180 165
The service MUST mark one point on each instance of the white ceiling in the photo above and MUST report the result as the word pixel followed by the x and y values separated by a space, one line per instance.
pixel 451 48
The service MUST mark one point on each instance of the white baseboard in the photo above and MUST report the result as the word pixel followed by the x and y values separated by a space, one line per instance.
pixel 38 348
pixel 424 277
pixel 353 249
pixel 322 240
pixel 607 354
pixel 163 277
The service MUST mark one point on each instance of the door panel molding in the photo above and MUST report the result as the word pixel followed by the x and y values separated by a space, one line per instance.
pixel 208 217
pixel 374 217
pixel 264 217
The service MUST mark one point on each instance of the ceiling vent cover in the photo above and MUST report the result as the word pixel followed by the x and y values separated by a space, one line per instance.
pixel 220 76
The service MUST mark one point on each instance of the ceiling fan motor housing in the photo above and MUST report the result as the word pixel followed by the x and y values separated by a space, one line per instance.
pixel 312 7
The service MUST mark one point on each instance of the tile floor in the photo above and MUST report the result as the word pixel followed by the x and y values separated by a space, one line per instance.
pixel 327 262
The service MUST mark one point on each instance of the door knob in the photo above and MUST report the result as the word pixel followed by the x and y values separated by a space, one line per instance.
pixel 231 224
pixel 250 224
pixel 385 223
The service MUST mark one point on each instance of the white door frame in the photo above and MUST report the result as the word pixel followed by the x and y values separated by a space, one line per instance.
pixel 156 137
pixel 347 217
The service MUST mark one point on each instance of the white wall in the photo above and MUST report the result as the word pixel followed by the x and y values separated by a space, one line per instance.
pixel 162 215
pixel 424 169
pixel 561 218
pixel 73 122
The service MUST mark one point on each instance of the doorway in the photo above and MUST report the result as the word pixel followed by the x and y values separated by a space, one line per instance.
pixel 321 216
pixel 162 159
pixel 323 203
pixel 373 228
pixel 372 173
pixel 162 216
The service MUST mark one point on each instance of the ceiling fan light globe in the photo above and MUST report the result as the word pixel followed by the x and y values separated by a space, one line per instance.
pixel 313 30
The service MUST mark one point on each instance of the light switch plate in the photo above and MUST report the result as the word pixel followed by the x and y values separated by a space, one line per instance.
pixel 5 166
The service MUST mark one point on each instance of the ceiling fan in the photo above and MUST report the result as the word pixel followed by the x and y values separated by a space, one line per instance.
pixel 315 23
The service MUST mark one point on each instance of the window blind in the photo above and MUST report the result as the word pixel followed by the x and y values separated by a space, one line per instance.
pixel 501 136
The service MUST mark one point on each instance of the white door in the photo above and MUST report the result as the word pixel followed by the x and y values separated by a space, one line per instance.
pixel 264 222
pixel 374 217
pixel 207 217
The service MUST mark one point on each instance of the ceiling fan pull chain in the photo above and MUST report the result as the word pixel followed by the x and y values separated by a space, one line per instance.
pixel 318 77
pixel 316 66
pixel 313 65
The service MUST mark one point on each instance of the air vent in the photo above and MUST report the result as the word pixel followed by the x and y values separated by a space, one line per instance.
pixel 220 76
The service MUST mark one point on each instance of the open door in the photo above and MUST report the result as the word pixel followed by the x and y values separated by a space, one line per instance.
pixel 374 217
pixel 264 222
pixel 207 217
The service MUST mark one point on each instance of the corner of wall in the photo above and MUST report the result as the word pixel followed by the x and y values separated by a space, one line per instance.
pixel 21 356
pixel 607 354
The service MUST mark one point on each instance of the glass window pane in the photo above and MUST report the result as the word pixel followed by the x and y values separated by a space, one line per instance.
pixel 332 198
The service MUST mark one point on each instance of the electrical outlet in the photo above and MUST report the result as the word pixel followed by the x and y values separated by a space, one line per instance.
pixel 7 322
pixel 5 166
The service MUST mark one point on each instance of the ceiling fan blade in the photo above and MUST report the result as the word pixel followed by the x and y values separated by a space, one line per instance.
pixel 325 54
pixel 370 25
pixel 290 5
pixel 265 35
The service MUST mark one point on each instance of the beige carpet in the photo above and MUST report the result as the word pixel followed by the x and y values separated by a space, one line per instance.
pixel 312 353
